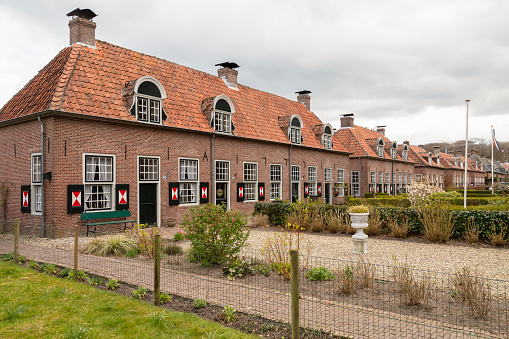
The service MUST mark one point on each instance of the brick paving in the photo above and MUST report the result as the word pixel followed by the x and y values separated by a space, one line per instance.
pixel 338 318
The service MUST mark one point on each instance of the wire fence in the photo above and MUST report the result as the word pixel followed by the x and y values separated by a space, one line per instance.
pixel 337 297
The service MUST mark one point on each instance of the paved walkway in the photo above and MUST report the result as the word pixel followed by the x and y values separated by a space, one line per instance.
pixel 338 318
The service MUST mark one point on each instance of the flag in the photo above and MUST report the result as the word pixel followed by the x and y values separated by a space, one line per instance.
pixel 495 142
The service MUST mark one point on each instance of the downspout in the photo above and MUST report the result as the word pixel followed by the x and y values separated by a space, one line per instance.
pixel 392 178
pixel 43 226
pixel 212 172
pixel 290 174
pixel 360 180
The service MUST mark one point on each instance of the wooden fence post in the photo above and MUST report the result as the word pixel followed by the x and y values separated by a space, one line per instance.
pixel 294 279
pixel 157 269
pixel 76 238
pixel 16 240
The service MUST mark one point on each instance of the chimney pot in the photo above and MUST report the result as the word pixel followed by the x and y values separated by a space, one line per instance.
pixel 81 26
pixel 381 130
pixel 436 149
pixel 304 98
pixel 228 73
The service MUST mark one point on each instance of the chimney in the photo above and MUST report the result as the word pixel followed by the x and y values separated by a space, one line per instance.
pixel 304 98
pixel 347 120
pixel 406 142
pixel 436 150
pixel 381 130
pixel 82 28
pixel 228 73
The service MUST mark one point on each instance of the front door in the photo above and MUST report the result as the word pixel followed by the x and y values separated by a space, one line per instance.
pixel 295 191
pixel 148 204
pixel 327 193
pixel 222 193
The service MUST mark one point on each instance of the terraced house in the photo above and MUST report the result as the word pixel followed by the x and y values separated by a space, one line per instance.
pixel 104 128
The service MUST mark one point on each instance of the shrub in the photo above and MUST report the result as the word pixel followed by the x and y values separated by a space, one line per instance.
pixel 346 280
pixel 437 223
pixel 237 268
pixel 94 281
pixel 114 245
pixel 112 284
pixel 472 231
pixel 413 290
pixel 216 234
pixel 10 257
pixel 358 209
pixel 172 250
pixel 199 303
pixel 262 268
pixel 278 245
pixel 49 268
pixel 365 272
pixel 179 235
pixel 498 238
pixel 333 223
pixel 317 224
pixel 419 193
pixel 64 272
pixel 259 220
pixel 139 293
pixel 276 211
pixel 319 273
pixel 32 264
pixel 145 238
pixel 80 275
pixel 374 223
pixel 475 291
pixel 399 229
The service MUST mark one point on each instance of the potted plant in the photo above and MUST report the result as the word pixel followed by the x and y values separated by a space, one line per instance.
pixel 359 215
pixel 171 222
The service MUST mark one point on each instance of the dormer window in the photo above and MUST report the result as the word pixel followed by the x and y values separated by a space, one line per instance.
pixel 404 154
pixel 294 132
pixel 327 137
pixel 222 113
pixel 438 159
pixel 380 148
pixel 394 150
pixel 430 159
pixel 148 100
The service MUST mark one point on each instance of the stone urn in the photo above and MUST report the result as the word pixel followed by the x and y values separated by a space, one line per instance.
pixel 359 220
pixel 171 222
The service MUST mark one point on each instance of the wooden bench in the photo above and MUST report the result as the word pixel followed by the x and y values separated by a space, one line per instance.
pixel 100 216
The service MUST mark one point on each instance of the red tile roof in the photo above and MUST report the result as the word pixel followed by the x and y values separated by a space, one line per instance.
pixel 90 81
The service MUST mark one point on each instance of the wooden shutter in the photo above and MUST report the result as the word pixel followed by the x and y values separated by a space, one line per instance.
pixel 306 189
pixel 261 191
pixel 204 192
pixel 240 191
pixel 26 199
pixel 174 193
pixel 75 198
pixel 122 195
pixel 319 189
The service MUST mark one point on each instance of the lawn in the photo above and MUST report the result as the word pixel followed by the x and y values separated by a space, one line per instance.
pixel 34 305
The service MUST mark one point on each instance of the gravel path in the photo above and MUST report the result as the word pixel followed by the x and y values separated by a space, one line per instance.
pixel 490 261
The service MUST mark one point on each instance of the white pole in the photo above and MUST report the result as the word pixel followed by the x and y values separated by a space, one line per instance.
pixel 466 160
pixel 492 142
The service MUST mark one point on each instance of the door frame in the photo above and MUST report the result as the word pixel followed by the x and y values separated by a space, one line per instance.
pixel 158 182
pixel 222 181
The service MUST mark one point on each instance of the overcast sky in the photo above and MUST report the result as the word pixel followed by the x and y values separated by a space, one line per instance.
pixel 409 65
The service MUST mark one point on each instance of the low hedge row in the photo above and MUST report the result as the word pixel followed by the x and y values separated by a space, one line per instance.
pixel 484 219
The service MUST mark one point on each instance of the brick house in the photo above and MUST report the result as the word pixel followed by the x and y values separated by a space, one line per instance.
pixel 377 164
pixel 101 127
pixel 428 166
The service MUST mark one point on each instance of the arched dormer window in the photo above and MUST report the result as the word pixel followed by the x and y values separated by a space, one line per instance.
pixel 294 132
pixel 394 150
pixel 430 158
pixel 148 101
pixel 327 136
pixel 438 159
pixel 380 147
pixel 222 114
pixel 404 154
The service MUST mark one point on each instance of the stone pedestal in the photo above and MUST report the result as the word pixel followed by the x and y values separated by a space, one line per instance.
pixel 360 239
pixel 360 244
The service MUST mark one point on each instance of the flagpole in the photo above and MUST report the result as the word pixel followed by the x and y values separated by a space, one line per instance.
pixel 492 142
pixel 466 160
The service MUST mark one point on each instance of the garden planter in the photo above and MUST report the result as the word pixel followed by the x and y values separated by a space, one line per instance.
pixel 171 222
pixel 360 239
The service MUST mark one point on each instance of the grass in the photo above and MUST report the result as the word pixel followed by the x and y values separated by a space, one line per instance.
pixel 34 305
pixel 117 245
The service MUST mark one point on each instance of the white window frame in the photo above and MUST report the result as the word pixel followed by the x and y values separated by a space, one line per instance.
pixel 250 182
pixel 151 176
pixel 381 177
pixel 312 181
pixel 373 177
pixel 327 174
pixel 341 180
pixel 380 148
pixel 153 106
pixel 400 178
pixel 404 153
pixel 356 189
pixel 294 132
pixel 327 140
pixel 295 175
pixel 387 177
pixel 394 151
pixel 410 177
pixel 36 184
pixel 276 174
pixel 188 188
pixel 105 184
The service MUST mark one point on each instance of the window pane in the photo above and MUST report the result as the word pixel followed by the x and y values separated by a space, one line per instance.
pixel 295 173
pixel 188 169
pixel 36 168
pixel 328 175
pixel 97 197
pixel 250 172
pixel 38 198
pixel 341 175
pixel 311 174
pixel 249 191
pixel 275 190
pixel 142 109
pixel 154 111
pixel 98 168
pixel 275 172
pixel 222 171
pixel 149 169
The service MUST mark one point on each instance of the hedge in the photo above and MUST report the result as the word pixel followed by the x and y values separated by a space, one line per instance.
pixel 484 218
